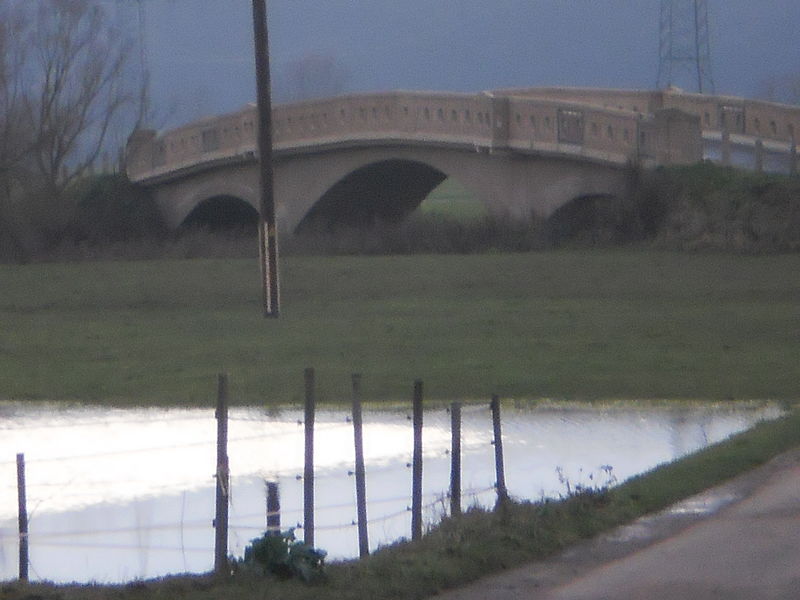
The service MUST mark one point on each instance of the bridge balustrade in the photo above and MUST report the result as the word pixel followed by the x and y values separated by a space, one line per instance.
pixel 545 125
pixel 769 121
pixel 526 120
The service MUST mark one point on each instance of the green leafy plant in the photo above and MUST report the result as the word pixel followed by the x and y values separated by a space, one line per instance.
pixel 588 495
pixel 284 557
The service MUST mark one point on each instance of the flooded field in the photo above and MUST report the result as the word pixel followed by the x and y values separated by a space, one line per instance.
pixel 116 495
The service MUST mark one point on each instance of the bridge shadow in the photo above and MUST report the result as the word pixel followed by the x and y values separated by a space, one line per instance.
pixel 379 193
pixel 591 219
pixel 223 215
pixel 383 206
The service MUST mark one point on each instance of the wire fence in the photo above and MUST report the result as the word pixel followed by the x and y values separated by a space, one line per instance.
pixel 75 502
pixel 121 495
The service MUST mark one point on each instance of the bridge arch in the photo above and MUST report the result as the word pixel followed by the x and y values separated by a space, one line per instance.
pixel 226 189
pixel 379 192
pixel 222 213
pixel 508 185
pixel 310 185
pixel 595 218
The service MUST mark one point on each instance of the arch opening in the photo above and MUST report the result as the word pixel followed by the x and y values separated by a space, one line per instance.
pixel 382 192
pixel 453 201
pixel 223 214
pixel 593 219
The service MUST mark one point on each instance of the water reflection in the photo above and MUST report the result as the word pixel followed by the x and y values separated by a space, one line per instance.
pixel 115 495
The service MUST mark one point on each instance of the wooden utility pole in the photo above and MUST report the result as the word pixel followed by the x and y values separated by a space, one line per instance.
pixel 267 230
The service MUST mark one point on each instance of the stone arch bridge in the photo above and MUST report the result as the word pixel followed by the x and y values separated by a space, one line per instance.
pixel 361 158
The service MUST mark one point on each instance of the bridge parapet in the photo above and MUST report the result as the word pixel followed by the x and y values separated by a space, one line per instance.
pixel 772 122
pixel 401 115
pixel 483 122
pixel 609 126
pixel 768 121
pixel 550 126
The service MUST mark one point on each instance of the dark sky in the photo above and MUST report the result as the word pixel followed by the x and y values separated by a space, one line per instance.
pixel 200 51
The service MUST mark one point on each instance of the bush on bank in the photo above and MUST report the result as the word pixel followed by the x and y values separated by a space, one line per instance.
pixel 708 206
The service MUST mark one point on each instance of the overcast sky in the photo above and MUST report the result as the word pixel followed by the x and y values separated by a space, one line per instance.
pixel 201 59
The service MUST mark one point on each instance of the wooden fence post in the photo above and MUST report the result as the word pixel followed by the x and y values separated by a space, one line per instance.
pixel 221 567
pixel 361 485
pixel 308 473
pixel 23 519
pixel 502 492
pixel 273 509
pixel 455 459
pixel 416 475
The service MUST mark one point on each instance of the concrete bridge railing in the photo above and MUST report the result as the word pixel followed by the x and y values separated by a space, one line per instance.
pixel 484 122
pixel 771 121
pixel 612 126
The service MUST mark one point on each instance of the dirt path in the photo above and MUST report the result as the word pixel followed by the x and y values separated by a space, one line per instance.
pixel 738 541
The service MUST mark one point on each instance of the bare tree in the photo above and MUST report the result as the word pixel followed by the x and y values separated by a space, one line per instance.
pixel 65 88
pixel 16 141
pixel 80 91
pixel 14 138
pixel 312 76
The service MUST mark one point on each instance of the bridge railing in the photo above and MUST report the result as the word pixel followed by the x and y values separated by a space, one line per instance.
pixel 411 116
pixel 533 121
pixel 547 125
pixel 471 120
pixel 405 115
pixel 206 140
pixel 769 121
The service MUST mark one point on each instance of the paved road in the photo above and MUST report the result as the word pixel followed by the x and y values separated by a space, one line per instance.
pixel 739 541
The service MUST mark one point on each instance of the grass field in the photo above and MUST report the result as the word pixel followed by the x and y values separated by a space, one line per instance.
pixel 567 324
pixel 453 200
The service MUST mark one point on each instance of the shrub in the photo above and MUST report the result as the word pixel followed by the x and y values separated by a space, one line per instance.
pixel 284 557
pixel 110 208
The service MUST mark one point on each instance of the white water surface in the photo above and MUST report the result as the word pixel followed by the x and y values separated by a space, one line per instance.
pixel 121 494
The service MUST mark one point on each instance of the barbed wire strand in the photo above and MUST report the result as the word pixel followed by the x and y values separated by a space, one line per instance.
pixel 142 450
pixel 111 422
pixel 137 547
pixel 45 540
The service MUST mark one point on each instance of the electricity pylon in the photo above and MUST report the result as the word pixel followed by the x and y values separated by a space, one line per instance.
pixel 684 48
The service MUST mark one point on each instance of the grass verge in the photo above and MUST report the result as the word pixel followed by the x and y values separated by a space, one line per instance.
pixel 480 542
pixel 600 324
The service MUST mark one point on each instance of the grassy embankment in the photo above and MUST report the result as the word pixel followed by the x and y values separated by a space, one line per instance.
pixel 478 543
pixel 566 324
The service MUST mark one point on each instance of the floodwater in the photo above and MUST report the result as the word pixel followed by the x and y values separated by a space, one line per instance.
pixel 116 495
